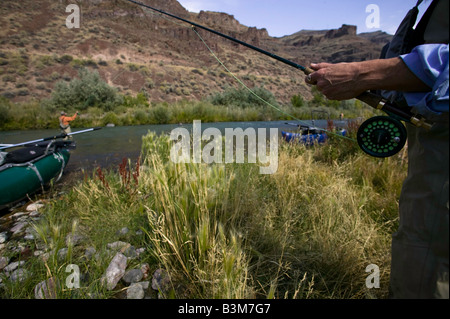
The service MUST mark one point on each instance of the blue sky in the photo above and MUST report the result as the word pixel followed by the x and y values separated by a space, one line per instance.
pixel 285 17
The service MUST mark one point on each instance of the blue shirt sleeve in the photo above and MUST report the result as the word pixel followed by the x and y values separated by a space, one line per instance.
pixel 429 62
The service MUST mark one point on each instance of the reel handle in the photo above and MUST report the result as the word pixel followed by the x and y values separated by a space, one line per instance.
pixel 379 103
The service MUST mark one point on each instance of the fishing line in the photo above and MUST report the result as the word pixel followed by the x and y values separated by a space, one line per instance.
pixel 259 97
pixel 193 25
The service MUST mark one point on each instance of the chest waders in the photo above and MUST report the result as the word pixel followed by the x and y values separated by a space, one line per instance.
pixel 420 247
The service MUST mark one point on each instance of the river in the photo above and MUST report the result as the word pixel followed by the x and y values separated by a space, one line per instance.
pixel 108 146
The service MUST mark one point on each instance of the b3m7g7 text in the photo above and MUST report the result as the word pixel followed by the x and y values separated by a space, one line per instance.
pixel 249 308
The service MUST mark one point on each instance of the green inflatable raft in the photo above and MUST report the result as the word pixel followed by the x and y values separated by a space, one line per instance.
pixel 26 170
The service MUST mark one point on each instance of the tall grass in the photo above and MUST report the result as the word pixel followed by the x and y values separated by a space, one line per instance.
pixel 191 224
pixel 225 231
pixel 308 231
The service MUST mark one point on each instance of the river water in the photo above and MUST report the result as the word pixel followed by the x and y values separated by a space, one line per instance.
pixel 108 146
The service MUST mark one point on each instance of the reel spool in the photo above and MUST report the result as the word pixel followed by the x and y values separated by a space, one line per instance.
pixel 382 136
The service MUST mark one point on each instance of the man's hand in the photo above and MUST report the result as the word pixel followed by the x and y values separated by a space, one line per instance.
pixel 336 81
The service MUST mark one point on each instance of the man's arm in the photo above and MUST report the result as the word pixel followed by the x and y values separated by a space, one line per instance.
pixel 429 62
pixel 345 81
pixel 69 119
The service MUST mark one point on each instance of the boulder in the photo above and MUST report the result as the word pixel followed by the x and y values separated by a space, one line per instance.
pixel 115 271
pixel 135 291
pixel 46 289
pixel 133 276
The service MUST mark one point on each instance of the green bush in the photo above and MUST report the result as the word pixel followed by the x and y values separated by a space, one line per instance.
pixel 88 90
pixel 110 118
pixel 140 116
pixel 65 59
pixel 5 116
pixel 159 115
pixel 243 97
pixel 297 101
pixel 139 101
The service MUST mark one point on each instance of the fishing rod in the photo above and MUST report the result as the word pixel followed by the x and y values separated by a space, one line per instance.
pixel 5 146
pixel 193 24
pixel 379 136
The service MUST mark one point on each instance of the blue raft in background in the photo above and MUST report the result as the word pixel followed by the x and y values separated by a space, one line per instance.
pixel 309 136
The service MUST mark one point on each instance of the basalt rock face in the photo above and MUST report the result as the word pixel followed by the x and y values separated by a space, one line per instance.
pixel 338 45
pixel 135 50
pixel 345 30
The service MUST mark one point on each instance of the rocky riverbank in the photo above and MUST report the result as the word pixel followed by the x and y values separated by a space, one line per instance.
pixel 127 276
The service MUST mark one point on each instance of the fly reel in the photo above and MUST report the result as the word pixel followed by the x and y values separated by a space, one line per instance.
pixel 382 136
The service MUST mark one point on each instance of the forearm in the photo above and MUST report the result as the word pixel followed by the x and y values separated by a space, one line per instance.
pixel 344 81
pixel 72 118
pixel 389 74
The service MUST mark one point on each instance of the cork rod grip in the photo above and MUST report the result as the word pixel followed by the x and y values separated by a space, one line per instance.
pixel 308 71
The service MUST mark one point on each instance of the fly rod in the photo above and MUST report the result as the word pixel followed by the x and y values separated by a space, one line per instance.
pixel 369 98
pixel 5 146
pixel 276 57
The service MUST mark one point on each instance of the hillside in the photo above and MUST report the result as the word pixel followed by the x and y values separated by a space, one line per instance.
pixel 136 50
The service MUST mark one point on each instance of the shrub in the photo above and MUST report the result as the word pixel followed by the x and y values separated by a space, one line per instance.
pixel 110 118
pixel 4 111
pixel 87 90
pixel 43 61
pixel 318 98
pixel 140 116
pixel 243 97
pixel 65 59
pixel 139 101
pixel 297 101
pixel 159 115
